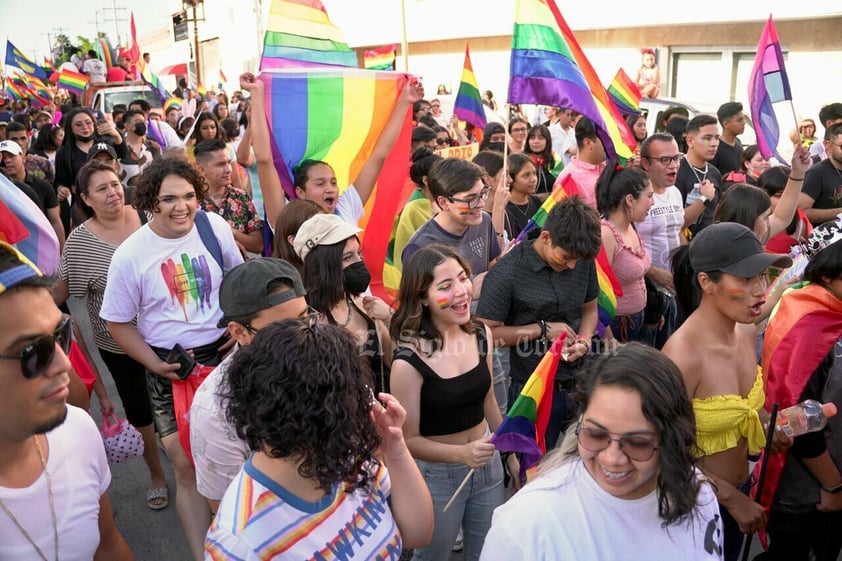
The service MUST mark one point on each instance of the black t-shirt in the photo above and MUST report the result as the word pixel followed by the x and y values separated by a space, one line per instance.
pixel 30 192
pixel 823 184
pixel 43 189
pixel 517 216
pixel 687 177
pixel 728 158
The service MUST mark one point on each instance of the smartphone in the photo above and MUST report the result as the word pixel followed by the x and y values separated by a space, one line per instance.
pixel 180 356
pixel 100 118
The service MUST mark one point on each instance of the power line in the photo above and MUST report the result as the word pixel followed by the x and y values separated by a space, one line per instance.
pixel 116 18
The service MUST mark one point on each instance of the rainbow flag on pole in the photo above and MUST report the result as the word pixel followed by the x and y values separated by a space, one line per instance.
pixel 525 425
pixel 624 93
pixel 103 48
pixel 609 286
pixel 548 67
pixel 299 33
pixel 222 80
pixel 381 58
pixel 72 81
pixel 337 115
pixel 468 105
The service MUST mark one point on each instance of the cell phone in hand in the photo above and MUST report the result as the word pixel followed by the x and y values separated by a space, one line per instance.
pixel 179 355
pixel 100 118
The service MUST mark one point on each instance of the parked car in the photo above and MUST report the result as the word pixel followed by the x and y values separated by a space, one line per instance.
pixel 103 97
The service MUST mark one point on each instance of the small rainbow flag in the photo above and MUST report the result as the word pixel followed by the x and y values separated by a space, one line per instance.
pixel 103 48
pixel 337 115
pixel 170 103
pixel 381 58
pixel 72 81
pixel 548 67
pixel 468 105
pixel 609 286
pixel 200 89
pixel 152 79
pixel 525 425
pixel 222 80
pixel 624 93
pixel 40 244
pixel 299 33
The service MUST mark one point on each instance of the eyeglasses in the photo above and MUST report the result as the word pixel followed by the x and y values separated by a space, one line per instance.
pixel 518 129
pixel 311 315
pixel 666 160
pixel 636 447
pixel 442 141
pixel 473 201
pixel 37 356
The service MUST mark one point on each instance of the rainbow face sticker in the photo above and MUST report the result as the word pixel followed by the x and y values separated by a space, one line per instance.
pixel 443 302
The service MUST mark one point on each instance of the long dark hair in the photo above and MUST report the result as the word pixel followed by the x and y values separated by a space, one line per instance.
pixel 743 204
pixel 614 183
pixel 301 393
pixel 289 220
pixel 206 116
pixel 546 155
pixel 324 277
pixel 412 322
pixel 46 140
pixel 664 402
pixel 69 136
pixel 688 291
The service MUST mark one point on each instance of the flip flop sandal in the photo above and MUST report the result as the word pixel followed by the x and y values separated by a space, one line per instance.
pixel 157 499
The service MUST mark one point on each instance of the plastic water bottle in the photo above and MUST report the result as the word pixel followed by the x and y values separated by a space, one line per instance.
pixel 807 416
pixel 694 194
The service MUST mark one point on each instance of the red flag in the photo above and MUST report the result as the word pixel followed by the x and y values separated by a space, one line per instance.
pixel 133 53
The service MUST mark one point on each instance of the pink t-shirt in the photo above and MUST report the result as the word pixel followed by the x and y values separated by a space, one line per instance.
pixel 629 267
pixel 585 175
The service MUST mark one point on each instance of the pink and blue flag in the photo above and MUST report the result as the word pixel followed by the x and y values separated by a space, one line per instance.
pixel 768 84
pixel 39 244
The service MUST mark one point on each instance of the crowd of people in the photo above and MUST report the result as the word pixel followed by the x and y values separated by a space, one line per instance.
pixel 330 422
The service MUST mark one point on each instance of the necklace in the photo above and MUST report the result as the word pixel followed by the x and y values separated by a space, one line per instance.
pixel 52 509
pixel 696 171
pixel 350 311
pixel 527 206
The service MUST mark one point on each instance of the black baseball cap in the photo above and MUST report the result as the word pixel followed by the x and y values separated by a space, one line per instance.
pixel 734 249
pixel 245 288
pixel 101 147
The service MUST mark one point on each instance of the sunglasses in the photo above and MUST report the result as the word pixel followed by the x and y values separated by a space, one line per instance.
pixel 36 357
pixel 636 447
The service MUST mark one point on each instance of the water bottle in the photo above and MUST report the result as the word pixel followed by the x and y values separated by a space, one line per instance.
pixel 807 416
pixel 694 194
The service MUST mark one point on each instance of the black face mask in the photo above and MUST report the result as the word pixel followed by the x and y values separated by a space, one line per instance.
pixel 496 146
pixel 84 138
pixel 140 129
pixel 357 278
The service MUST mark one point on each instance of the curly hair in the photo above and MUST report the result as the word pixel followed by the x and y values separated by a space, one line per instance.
pixel 149 183
pixel 411 321
pixel 664 402
pixel 301 393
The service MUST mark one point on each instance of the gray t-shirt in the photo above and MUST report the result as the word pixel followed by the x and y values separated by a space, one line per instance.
pixel 478 245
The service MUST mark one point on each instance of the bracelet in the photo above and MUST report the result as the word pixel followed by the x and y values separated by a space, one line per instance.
pixel 790 178
pixel 584 341
pixel 835 489
pixel 543 325
pixel 499 234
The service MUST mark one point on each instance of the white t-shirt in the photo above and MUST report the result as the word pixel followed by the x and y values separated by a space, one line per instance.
pixel 350 206
pixel 566 515
pixel 170 285
pixel 661 231
pixel 95 69
pixel 259 519
pixel 79 474
pixel 218 453
pixel 568 140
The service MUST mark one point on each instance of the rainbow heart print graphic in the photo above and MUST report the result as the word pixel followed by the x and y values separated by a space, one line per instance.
pixel 189 283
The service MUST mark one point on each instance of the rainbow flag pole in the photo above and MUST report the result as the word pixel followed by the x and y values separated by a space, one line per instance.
pixel 468 105
pixel 526 422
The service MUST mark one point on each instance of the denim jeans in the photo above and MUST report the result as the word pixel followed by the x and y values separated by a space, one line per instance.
pixel 472 508
pixel 500 364
pixel 627 328
pixel 561 415
pixel 654 337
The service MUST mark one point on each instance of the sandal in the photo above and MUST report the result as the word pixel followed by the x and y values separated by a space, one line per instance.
pixel 157 499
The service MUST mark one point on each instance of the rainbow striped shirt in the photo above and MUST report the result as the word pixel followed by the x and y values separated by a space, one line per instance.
pixel 259 519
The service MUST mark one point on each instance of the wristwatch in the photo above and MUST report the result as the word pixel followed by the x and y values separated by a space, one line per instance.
pixel 703 198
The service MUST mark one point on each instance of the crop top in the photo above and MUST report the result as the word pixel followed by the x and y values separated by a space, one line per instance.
pixel 451 405
pixel 721 420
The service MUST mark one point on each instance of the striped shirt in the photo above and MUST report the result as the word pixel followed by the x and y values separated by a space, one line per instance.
pixel 259 519
pixel 84 267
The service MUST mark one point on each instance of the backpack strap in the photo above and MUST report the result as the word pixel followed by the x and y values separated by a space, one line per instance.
pixel 209 238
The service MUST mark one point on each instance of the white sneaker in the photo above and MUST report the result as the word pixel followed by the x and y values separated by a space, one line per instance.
pixel 458 545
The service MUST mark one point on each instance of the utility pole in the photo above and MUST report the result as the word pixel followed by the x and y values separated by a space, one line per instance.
pixel 96 22
pixel 116 18
pixel 50 43
pixel 195 19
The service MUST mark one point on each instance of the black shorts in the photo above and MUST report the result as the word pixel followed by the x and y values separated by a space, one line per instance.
pixel 130 378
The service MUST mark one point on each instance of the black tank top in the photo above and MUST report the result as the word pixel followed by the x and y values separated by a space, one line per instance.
pixel 451 405
pixel 371 351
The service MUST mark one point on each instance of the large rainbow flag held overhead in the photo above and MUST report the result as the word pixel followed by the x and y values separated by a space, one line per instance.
pixel 468 105
pixel 525 425
pixel 768 84
pixel 299 33
pixel 548 67
pixel 624 93
pixel 609 286
pixel 337 115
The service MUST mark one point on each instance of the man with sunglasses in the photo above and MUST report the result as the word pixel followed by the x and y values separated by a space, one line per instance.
pixel 252 295
pixel 67 508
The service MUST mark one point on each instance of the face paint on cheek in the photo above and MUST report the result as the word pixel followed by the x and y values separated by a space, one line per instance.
pixel 443 302
pixel 462 210
pixel 736 294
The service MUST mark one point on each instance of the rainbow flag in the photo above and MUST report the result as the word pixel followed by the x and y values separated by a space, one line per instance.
pixel 609 286
pixel 548 67
pixel 624 93
pixel 152 79
pixel 49 64
pixel 103 48
pixel 468 105
pixel 72 81
pixel 524 427
pixel 299 33
pixel 172 102
pixel 15 88
pixel 222 80
pixel 200 89
pixel 768 84
pixel 40 244
pixel 381 58
pixel 337 115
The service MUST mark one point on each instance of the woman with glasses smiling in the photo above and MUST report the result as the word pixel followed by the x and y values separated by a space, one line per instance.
pixel 623 484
